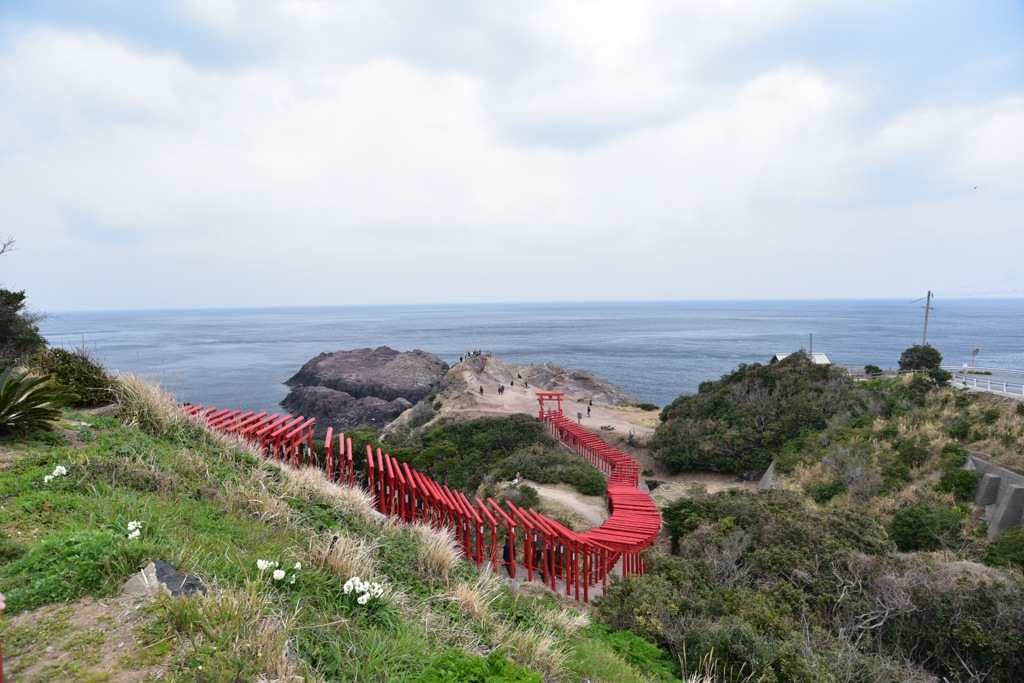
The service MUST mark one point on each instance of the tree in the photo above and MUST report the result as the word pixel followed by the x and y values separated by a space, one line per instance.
pixel 19 335
pixel 919 357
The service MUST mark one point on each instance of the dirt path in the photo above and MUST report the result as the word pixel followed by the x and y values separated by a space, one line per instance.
pixel 591 508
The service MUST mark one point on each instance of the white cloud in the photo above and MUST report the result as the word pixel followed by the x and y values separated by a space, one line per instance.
pixel 476 154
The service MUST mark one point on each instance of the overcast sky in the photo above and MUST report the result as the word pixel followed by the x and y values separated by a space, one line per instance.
pixel 220 153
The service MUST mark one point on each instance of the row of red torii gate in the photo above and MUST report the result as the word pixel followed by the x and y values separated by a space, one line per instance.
pixel 521 540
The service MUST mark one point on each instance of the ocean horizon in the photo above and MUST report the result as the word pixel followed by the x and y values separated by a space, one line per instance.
pixel 655 351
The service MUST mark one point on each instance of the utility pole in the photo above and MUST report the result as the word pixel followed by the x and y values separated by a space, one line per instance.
pixel 927 310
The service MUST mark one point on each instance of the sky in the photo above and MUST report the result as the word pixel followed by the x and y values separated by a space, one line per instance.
pixel 237 153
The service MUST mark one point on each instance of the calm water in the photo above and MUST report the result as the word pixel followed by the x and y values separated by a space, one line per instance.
pixel 655 351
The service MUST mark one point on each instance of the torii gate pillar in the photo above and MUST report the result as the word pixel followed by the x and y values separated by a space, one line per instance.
pixel 549 396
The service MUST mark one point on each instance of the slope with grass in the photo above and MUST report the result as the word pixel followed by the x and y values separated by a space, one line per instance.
pixel 869 562
pixel 215 509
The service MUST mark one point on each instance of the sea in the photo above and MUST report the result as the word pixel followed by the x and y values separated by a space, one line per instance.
pixel 655 351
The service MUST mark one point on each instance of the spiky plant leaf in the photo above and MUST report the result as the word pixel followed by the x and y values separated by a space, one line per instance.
pixel 28 402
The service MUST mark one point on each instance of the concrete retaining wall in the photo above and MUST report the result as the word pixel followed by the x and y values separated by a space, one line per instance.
pixel 1001 491
pixel 767 480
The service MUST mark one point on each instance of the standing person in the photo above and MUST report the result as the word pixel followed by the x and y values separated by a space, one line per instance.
pixel 506 555
pixel 588 411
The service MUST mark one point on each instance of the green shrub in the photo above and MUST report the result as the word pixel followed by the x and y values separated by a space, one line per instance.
pixel 739 423
pixel 873 370
pixel 1020 409
pixel 953 455
pixel 825 491
pixel 82 378
pixel 919 357
pixel 646 406
pixel 895 475
pixel 940 377
pixel 960 429
pixel 890 431
pixel 913 452
pixel 28 403
pixel 456 665
pixel 924 526
pixel 1007 550
pixel 961 483
pixel 990 415
pixel 641 653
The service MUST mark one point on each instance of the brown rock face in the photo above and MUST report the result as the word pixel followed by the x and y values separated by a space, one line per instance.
pixel 362 387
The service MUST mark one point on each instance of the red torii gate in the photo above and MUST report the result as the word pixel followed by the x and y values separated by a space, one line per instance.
pixel 549 396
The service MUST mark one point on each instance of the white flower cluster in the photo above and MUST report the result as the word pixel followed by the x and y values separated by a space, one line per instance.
pixel 58 471
pixel 134 529
pixel 279 574
pixel 368 590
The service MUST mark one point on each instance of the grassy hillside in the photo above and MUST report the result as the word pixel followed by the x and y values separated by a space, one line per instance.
pixel 869 562
pixel 214 509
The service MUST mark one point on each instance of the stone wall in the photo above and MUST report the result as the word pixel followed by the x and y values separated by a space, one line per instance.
pixel 1001 491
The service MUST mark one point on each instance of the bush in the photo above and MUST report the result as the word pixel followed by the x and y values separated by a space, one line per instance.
pixel 960 429
pixel 895 475
pixel 913 452
pixel 19 334
pixel 990 415
pixel 961 483
pixel 940 377
pixel 1020 409
pixel 925 526
pixel 740 423
pixel 83 379
pixel 825 491
pixel 873 370
pixel 456 665
pixel 919 357
pixel 28 403
pixel 646 406
pixel 954 456
pixel 1007 550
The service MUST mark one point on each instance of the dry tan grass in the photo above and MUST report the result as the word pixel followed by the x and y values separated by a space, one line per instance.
pixel 567 620
pixel 252 498
pixel 146 406
pixel 246 621
pixel 191 465
pixel 475 599
pixel 437 553
pixel 310 483
pixel 343 554
pixel 535 648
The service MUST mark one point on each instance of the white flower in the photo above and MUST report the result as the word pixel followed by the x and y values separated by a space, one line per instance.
pixel 132 526
pixel 262 565
pixel 363 599
pixel 298 566
pixel 134 534
pixel 59 471
pixel 48 478
pixel 293 579
pixel 278 574
pixel 347 587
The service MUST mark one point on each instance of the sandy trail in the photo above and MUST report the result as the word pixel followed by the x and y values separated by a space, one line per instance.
pixel 591 508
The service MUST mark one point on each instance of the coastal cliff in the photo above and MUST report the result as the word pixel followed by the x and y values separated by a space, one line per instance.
pixel 363 387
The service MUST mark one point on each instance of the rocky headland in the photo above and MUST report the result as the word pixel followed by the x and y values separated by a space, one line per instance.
pixel 362 387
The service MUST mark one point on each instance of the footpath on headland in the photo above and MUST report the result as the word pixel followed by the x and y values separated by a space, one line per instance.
pixel 520 540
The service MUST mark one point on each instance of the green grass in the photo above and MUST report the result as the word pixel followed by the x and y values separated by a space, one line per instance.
pixel 213 510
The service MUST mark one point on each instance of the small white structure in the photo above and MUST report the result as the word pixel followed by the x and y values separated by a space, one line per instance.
pixel 816 358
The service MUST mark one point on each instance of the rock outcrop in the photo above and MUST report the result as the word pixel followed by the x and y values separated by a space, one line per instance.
pixel 362 387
